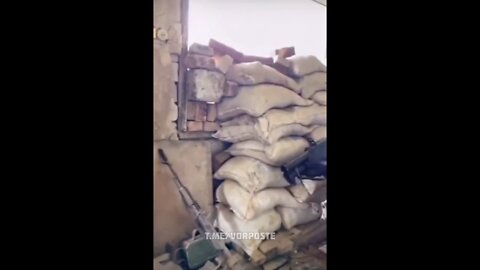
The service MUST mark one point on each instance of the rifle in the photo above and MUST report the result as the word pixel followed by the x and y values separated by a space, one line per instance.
pixel 232 259
pixel 311 164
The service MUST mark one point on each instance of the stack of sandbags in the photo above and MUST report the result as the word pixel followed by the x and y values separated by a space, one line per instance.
pixel 266 121
pixel 248 197
pixel 312 77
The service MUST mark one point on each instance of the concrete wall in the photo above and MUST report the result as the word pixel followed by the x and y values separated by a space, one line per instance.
pixel 191 159
pixel 192 162
pixel 165 55
pixel 165 66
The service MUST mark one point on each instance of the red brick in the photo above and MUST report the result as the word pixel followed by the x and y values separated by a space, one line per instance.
pixel 201 111
pixel 285 52
pixel 194 126
pixel 211 112
pixel 191 109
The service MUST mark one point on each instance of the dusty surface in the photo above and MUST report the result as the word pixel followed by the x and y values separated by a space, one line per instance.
pixel 192 161
pixel 165 110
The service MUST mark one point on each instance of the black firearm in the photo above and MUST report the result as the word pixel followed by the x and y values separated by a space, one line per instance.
pixel 199 215
pixel 311 164
pixel 227 259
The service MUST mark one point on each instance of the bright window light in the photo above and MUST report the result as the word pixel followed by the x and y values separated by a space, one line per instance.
pixel 258 27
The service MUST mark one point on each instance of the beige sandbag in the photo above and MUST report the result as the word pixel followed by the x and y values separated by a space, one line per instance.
pixel 309 191
pixel 303 115
pixel 256 100
pixel 246 132
pixel 231 225
pixel 243 119
pixel 312 83
pixel 318 133
pixel 256 73
pixel 299 192
pixel 273 125
pixel 251 174
pixel 303 65
pixel 275 154
pixel 235 134
pixel 284 131
pixel 320 98
pixel 292 217
pixel 248 205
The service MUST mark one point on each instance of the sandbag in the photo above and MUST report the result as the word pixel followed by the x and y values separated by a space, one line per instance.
pixel 304 65
pixel 275 154
pixel 243 119
pixel 292 217
pixel 248 205
pixel 256 73
pixel 309 191
pixel 303 115
pixel 229 223
pixel 246 132
pixel 237 133
pixel 285 131
pixel 251 174
pixel 320 98
pixel 256 100
pixel 312 83
pixel 273 125
pixel 318 133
